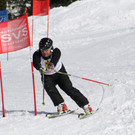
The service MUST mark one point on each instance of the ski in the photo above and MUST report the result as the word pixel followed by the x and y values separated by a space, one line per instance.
pixel 84 115
pixel 55 115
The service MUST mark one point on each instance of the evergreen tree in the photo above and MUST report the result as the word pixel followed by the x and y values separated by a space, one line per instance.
pixel 3 4
pixel 57 3
pixel 16 8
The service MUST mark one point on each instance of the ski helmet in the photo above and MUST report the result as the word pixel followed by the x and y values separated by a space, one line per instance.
pixel 45 44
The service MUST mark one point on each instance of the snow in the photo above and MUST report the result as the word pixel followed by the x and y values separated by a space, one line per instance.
pixel 97 39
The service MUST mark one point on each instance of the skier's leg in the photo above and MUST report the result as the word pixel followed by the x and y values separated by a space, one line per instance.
pixel 66 85
pixel 52 91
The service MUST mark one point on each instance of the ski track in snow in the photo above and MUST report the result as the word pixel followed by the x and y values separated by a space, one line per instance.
pixel 97 41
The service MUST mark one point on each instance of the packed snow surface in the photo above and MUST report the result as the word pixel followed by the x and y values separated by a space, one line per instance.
pixel 97 40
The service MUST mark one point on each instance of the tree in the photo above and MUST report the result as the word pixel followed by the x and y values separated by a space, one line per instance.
pixel 3 4
pixel 17 8
pixel 57 3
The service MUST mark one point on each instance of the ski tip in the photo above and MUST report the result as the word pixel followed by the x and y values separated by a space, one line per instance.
pixel 49 115
pixel 81 116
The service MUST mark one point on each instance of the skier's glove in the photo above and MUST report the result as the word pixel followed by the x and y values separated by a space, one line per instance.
pixel 50 68
pixel 42 70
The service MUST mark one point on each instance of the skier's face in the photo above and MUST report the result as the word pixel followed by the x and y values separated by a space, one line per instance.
pixel 46 53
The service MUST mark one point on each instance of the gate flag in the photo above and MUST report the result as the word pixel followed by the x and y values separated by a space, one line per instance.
pixel 3 15
pixel 14 34
pixel 41 7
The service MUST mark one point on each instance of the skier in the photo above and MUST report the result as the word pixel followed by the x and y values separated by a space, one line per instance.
pixel 47 60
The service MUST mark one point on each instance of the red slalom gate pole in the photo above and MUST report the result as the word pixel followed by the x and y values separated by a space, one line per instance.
pixel 34 91
pixel 84 78
pixel 48 25
pixel 2 95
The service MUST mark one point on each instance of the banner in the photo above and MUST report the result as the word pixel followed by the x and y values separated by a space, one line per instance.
pixel 14 34
pixel 3 15
pixel 41 7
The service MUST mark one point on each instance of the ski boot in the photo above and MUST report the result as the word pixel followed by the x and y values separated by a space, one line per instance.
pixel 88 112
pixel 87 109
pixel 62 108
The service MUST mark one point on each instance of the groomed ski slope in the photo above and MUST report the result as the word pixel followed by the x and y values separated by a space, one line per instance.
pixel 97 40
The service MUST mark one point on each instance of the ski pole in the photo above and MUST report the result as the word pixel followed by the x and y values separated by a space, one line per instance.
pixel 83 78
pixel 43 103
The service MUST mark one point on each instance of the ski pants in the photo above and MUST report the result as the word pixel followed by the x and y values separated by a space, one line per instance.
pixel 63 81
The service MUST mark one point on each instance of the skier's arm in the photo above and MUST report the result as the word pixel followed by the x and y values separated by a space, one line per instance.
pixel 56 54
pixel 36 60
